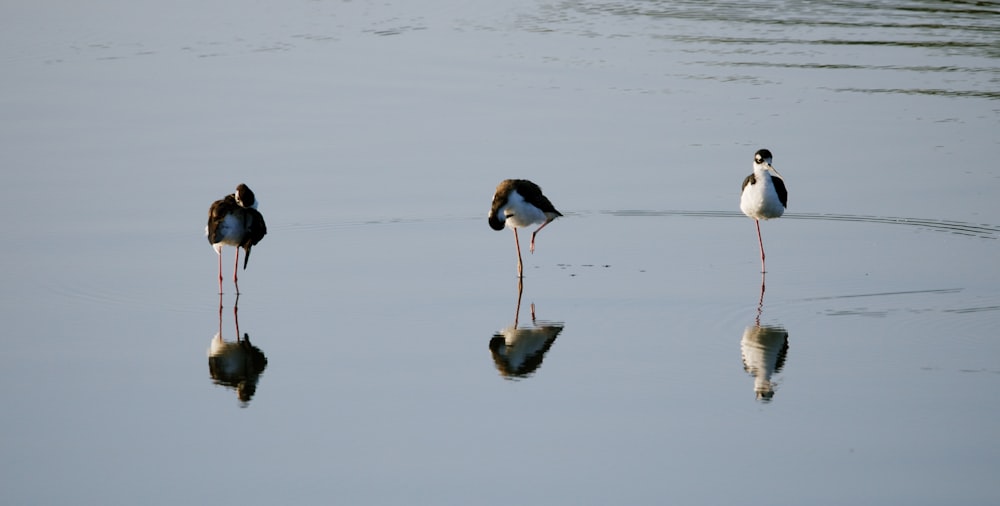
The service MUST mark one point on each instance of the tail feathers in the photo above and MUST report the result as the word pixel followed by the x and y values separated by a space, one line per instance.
pixel 256 230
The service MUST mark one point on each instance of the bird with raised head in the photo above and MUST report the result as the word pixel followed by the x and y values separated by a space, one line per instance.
pixel 764 195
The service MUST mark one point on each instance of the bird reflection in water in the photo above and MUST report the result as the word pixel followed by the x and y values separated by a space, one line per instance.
pixel 235 364
pixel 764 349
pixel 518 351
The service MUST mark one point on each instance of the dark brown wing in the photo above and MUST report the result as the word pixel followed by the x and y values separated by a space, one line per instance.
pixel 216 213
pixel 749 180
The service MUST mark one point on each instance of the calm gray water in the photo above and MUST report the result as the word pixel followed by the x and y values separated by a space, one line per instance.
pixel 391 357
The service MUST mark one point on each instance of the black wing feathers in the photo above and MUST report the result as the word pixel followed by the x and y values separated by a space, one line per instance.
pixel 779 186
pixel 256 230
pixel 532 194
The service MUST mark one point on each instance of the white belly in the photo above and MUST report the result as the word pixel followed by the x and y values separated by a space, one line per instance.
pixel 760 200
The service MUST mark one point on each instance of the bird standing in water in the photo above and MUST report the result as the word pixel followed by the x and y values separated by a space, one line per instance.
pixel 520 203
pixel 234 220
pixel 764 195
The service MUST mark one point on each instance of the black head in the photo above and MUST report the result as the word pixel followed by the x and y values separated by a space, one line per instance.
pixel 245 196
pixel 496 223
pixel 762 156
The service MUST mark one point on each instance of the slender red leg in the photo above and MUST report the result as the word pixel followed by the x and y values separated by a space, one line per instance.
pixel 532 246
pixel 517 244
pixel 236 268
pixel 761 242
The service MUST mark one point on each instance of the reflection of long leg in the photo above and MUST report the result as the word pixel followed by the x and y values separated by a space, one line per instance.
pixel 761 242
pixel 532 313
pixel 236 268
pixel 517 310
pixel 537 230
pixel 760 302
pixel 220 275
pixel 517 244
pixel 236 317
pixel 220 313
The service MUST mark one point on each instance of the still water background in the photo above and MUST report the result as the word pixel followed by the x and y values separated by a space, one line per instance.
pixel 374 134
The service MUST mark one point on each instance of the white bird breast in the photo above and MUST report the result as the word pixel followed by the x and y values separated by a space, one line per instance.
pixel 519 213
pixel 760 200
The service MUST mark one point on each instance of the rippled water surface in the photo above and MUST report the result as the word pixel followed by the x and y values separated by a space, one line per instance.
pixel 382 350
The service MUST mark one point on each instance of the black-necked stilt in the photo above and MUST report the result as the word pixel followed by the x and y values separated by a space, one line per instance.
pixel 764 195
pixel 234 220
pixel 520 203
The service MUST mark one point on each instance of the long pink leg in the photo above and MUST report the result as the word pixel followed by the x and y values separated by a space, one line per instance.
pixel 236 268
pixel 761 242
pixel 517 244
pixel 532 246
